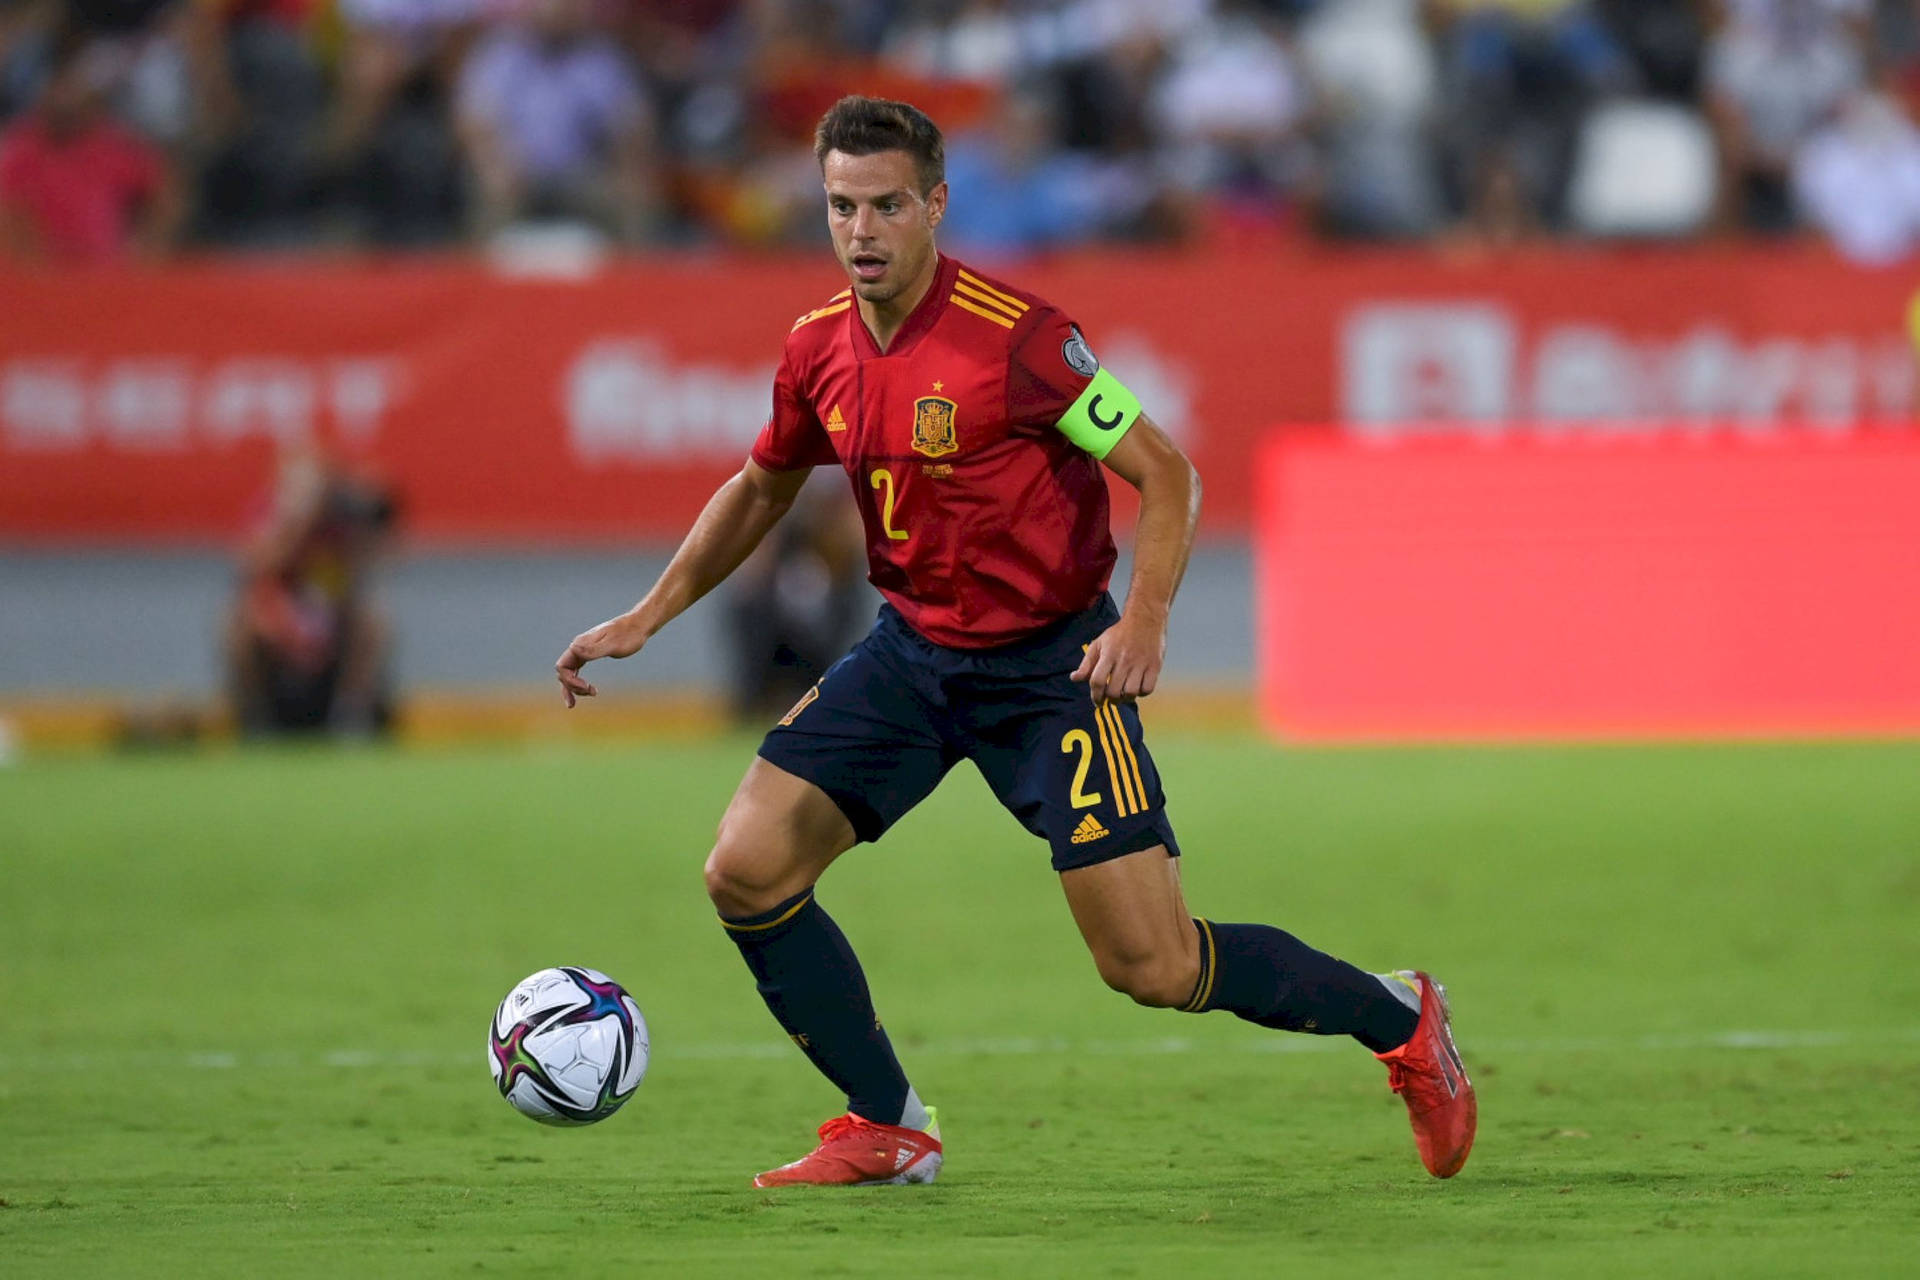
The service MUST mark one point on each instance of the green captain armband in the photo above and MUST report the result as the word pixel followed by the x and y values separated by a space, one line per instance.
pixel 1104 412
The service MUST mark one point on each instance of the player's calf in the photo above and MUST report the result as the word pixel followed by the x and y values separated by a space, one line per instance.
pixel 1135 925
pixel 1271 978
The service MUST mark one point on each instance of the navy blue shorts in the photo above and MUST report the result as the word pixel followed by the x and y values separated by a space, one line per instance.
pixel 887 721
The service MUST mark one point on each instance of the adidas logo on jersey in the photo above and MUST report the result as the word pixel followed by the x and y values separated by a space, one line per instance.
pixel 1089 830
pixel 834 421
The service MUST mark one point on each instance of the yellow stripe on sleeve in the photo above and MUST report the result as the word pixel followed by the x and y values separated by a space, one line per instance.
pixel 1007 299
pixel 821 314
pixel 979 310
pixel 979 295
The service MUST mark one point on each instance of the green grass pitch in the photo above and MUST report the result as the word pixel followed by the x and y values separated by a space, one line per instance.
pixel 245 999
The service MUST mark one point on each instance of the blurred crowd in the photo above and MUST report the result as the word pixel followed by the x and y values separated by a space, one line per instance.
pixel 132 127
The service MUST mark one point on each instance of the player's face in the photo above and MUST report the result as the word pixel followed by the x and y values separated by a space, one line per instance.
pixel 882 226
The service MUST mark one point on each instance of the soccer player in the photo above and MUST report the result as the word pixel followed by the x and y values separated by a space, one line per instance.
pixel 973 419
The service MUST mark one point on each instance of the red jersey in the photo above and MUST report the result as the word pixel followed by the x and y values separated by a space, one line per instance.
pixel 984 523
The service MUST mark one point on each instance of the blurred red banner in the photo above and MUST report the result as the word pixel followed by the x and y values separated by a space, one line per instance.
pixel 1665 586
pixel 148 405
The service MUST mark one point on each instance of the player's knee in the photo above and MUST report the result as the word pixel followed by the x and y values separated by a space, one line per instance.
pixel 755 865
pixel 739 883
pixel 1159 981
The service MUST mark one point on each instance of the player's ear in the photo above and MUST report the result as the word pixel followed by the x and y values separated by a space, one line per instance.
pixel 936 204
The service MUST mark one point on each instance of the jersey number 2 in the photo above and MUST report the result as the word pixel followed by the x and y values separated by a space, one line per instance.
pixel 1079 740
pixel 883 481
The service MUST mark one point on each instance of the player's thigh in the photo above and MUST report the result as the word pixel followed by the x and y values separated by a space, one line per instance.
pixel 1134 919
pixel 858 751
pixel 779 834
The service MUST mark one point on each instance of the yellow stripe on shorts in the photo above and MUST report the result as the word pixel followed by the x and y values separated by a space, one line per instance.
pixel 1115 775
pixel 1129 767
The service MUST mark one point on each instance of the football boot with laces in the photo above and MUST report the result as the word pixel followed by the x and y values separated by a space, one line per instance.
pixel 1428 1075
pixel 857 1152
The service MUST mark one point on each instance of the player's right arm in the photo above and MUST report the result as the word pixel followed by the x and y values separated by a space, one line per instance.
pixel 735 520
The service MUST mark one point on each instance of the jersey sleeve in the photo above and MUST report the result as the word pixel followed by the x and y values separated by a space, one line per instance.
pixel 793 438
pixel 1054 380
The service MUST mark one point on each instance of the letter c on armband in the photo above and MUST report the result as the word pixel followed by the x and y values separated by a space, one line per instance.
pixel 1103 413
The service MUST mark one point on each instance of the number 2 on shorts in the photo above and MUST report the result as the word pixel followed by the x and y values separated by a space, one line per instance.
pixel 1080 740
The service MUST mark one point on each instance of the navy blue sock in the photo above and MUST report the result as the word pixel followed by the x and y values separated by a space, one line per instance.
pixel 1270 977
pixel 813 984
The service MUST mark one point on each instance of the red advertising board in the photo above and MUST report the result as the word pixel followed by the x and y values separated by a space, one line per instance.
pixel 1678 585
pixel 148 405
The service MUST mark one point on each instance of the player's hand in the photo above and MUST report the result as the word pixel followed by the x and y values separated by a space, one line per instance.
pixel 619 637
pixel 1123 662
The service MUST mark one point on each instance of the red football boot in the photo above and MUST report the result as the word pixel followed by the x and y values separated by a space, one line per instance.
pixel 1428 1075
pixel 856 1152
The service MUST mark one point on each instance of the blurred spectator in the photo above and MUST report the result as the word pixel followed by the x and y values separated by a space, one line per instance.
pixel 981 41
pixel 306 650
pixel 1858 180
pixel 25 27
pixel 153 93
pixel 392 141
pixel 75 187
pixel 797 602
pixel 693 55
pixel 389 145
pixel 1011 193
pixel 1775 71
pixel 1231 109
pixel 262 98
pixel 1663 39
pixel 1523 72
pixel 1375 74
pixel 404 122
pixel 555 125
pixel 159 99
pixel 1642 168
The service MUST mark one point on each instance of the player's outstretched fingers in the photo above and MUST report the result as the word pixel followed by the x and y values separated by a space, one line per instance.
pixel 567 671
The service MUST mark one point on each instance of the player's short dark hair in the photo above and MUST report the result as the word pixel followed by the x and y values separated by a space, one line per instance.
pixel 861 126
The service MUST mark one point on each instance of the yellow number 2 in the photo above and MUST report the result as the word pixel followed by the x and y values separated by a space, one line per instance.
pixel 883 480
pixel 1079 740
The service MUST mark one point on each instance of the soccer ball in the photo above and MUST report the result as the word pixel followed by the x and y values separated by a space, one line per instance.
pixel 568 1046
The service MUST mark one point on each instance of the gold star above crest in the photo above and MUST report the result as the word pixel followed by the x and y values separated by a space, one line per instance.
pixel 939 385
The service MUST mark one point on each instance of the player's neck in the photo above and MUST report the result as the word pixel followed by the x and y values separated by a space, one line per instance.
pixel 884 319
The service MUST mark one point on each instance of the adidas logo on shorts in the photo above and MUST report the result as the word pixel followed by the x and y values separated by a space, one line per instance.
pixel 1089 830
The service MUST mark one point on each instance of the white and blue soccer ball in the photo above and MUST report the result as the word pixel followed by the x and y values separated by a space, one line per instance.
pixel 568 1046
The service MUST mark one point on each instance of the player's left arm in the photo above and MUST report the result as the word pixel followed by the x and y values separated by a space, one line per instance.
pixel 1124 660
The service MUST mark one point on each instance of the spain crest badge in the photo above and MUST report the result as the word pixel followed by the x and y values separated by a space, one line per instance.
pixel 933 432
